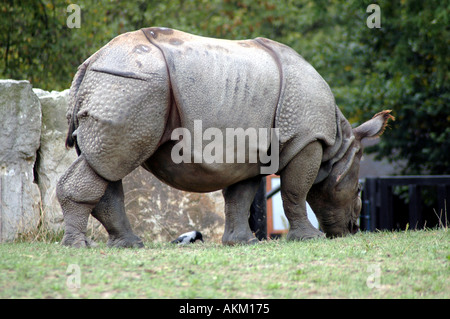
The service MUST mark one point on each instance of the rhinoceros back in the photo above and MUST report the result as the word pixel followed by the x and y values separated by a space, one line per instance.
pixel 226 84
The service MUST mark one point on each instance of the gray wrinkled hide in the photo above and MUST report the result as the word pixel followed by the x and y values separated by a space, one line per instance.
pixel 281 88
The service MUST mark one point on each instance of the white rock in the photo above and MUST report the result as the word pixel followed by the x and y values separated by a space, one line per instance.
pixel 20 130
pixel 53 157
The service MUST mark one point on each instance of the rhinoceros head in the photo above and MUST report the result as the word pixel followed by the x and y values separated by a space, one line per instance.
pixel 336 200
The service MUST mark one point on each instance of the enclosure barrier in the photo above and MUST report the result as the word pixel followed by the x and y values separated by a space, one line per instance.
pixel 381 208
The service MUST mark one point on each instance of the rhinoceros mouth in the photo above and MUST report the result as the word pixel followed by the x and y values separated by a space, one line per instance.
pixel 353 228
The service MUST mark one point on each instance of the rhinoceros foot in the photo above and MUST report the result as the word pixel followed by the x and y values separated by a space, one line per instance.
pixel 131 241
pixel 242 238
pixel 77 241
pixel 304 234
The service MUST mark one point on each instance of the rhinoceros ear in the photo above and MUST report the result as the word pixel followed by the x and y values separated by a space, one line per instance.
pixel 375 126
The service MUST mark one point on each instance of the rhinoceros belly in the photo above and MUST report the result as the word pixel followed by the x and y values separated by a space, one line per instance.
pixel 197 177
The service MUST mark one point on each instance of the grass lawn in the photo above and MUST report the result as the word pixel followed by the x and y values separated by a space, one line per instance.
pixel 411 264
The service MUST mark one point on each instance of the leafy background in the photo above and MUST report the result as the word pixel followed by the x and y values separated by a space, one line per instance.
pixel 403 66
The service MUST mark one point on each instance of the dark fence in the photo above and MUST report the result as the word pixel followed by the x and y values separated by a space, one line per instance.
pixel 399 202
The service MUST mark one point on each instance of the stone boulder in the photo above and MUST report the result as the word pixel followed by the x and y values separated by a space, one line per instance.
pixel 20 130
pixel 53 158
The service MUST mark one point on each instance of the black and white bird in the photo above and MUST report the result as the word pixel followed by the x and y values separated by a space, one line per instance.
pixel 188 238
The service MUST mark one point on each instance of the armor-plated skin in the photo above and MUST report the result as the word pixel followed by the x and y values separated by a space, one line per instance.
pixel 127 99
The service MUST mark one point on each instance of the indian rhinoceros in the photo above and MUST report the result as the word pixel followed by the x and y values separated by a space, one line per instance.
pixel 128 98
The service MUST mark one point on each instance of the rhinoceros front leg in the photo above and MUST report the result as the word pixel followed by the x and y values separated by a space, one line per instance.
pixel 238 199
pixel 78 191
pixel 296 180
pixel 110 211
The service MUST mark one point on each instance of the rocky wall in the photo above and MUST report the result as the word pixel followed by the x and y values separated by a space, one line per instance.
pixel 33 129
pixel 20 130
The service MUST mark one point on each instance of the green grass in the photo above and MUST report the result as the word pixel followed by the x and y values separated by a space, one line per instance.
pixel 412 264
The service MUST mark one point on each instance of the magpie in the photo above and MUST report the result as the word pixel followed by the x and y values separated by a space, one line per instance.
pixel 188 238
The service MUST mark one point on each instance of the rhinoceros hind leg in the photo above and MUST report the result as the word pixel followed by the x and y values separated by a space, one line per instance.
pixel 78 191
pixel 238 199
pixel 110 211
pixel 296 180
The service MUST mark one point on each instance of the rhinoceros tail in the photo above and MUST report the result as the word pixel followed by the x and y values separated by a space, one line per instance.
pixel 73 105
pixel 71 140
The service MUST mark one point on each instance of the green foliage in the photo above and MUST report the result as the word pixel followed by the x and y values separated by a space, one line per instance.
pixel 402 66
